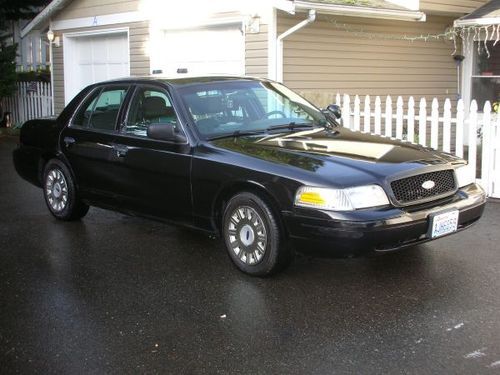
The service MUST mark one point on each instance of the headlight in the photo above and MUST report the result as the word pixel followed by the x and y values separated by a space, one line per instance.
pixel 465 175
pixel 341 199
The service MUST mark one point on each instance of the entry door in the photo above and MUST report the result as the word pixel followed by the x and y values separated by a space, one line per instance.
pixel 94 58
pixel 216 50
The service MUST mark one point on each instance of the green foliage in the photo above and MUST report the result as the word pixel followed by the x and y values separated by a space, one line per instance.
pixel 7 69
pixel 12 10
pixel 42 75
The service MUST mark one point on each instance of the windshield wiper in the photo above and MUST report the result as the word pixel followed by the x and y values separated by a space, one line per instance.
pixel 290 126
pixel 237 133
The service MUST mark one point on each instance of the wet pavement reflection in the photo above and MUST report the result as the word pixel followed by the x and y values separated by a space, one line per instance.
pixel 117 294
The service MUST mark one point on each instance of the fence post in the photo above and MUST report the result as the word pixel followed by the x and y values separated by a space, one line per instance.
pixel 411 120
pixel 399 118
pixel 357 114
pixel 459 131
pixel 472 157
pixel 486 148
pixel 447 126
pixel 337 99
pixel 496 167
pixel 388 117
pixel 378 115
pixel 435 124
pixel 422 122
pixel 367 114
pixel 346 112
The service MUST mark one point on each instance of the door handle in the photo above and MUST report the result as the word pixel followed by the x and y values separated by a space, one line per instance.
pixel 68 141
pixel 120 150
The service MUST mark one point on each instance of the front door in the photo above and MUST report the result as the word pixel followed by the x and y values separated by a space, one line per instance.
pixel 154 175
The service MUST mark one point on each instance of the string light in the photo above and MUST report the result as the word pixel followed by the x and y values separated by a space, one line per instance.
pixel 464 33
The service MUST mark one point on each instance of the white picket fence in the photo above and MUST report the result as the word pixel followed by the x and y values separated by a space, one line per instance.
pixel 448 129
pixel 31 100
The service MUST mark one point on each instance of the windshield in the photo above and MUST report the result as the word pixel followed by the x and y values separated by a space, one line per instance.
pixel 238 107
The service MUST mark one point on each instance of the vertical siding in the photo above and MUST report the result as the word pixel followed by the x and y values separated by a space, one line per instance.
pixel 321 60
pixel 91 8
pixel 139 58
pixel 458 7
pixel 256 53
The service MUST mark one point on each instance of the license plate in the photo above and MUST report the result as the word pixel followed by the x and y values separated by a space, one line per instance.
pixel 444 223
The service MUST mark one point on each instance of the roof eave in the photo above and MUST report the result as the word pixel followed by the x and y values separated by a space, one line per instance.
pixel 358 11
pixel 44 16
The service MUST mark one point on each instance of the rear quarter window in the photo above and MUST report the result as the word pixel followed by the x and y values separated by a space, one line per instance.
pixel 100 110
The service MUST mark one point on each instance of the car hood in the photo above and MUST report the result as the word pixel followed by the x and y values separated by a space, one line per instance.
pixel 339 154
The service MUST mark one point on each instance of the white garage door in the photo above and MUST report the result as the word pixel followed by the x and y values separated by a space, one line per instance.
pixel 94 58
pixel 203 51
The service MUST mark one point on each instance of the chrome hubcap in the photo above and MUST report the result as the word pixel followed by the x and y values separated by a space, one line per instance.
pixel 247 235
pixel 56 190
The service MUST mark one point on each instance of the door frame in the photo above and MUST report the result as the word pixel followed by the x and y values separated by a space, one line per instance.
pixel 69 50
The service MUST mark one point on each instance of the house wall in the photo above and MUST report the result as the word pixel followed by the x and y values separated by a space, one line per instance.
pixel 256 53
pixel 455 7
pixel 139 57
pixel 91 8
pixel 321 60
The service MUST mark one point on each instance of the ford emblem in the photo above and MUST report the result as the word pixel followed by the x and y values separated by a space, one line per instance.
pixel 428 185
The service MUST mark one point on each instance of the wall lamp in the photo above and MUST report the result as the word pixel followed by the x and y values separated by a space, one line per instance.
pixel 55 40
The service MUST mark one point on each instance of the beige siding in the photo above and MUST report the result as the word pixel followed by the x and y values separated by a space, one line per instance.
pixel 455 7
pixel 139 59
pixel 320 60
pixel 91 8
pixel 256 53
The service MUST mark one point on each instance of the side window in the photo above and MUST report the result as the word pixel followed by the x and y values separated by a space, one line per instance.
pixel 149 106
pixel 100 111
pixel 82 117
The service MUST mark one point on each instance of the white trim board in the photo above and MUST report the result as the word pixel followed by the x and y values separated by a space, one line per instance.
pixel 104 20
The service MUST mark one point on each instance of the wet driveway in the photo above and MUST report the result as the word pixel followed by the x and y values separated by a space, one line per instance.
pixel 115 294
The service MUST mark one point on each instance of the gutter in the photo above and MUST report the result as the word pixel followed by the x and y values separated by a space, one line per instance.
pixel 358 11
pixel 279 53
pixel 477 22
pixel 44 16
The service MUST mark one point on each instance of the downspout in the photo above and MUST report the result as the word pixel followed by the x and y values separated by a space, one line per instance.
pixel 279 54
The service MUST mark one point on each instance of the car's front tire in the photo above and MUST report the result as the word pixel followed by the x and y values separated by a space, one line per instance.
pixel 254 239
pixel 60 192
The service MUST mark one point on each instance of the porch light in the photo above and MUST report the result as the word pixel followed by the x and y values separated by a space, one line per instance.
pixel 53 39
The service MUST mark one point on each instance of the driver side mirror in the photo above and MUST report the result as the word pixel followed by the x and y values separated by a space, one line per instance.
pixel 166 132
pixel 334 110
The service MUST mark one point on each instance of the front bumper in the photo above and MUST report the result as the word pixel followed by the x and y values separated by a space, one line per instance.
pixel 379 230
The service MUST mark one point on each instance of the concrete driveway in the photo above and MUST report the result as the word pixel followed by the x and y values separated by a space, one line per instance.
pixel 115 294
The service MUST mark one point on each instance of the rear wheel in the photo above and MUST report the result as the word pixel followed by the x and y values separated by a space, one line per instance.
pixel 60 192
pixel 254 239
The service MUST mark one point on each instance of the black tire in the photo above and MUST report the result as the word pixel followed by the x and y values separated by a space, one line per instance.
pixel 254 238
pixel 60 192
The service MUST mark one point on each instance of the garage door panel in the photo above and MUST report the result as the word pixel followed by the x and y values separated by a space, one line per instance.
pixel 95 58
pixel 209 51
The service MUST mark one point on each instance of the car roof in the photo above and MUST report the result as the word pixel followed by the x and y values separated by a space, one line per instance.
pixel 181 81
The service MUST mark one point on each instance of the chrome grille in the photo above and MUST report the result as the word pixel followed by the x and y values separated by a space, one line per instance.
pixel 410 190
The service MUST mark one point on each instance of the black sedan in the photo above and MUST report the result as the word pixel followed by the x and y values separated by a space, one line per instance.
pixel 248 160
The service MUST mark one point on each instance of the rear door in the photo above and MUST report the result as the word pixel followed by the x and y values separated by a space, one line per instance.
pixel 88 142
pixel 153 175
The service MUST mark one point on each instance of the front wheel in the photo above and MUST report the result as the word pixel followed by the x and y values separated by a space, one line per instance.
pixel 254 239
pixel 60 192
